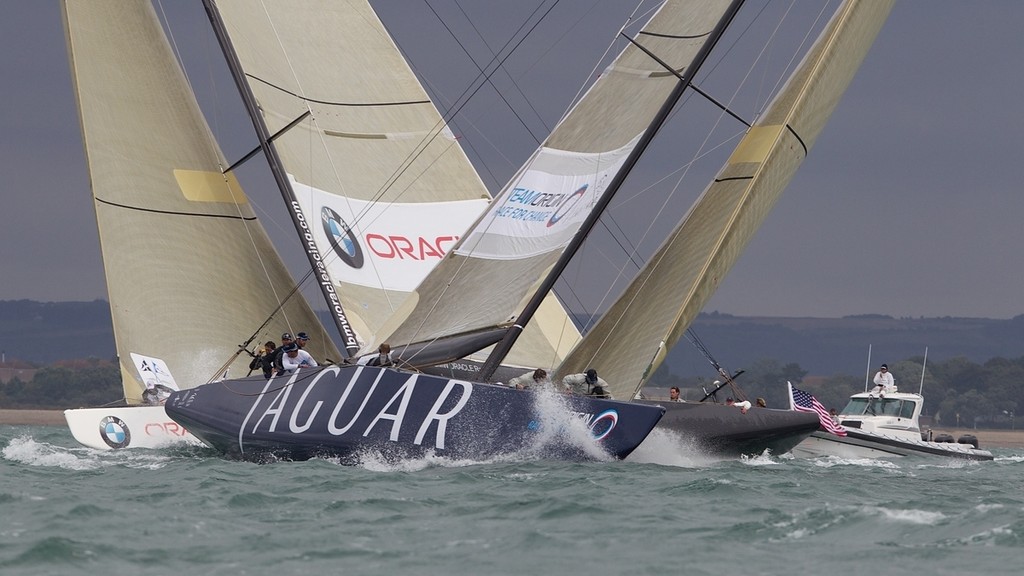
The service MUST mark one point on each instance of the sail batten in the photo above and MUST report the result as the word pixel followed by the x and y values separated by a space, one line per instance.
pixel 671 289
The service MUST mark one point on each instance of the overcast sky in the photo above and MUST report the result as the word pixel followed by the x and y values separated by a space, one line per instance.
pixel 909 205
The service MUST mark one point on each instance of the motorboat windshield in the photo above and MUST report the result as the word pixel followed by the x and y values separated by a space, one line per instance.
pixel 879 407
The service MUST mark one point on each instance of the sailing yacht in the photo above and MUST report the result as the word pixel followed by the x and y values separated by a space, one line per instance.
pixel 478 300
pixel 191 274
pixel 194 281
pixel 541 218
pixel 673 286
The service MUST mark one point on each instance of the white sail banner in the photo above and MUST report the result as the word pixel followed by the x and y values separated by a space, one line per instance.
pixel 384 245
pixel 546 206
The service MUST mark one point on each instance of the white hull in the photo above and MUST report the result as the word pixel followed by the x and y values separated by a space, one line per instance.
pixel 866 445
pixel 126 427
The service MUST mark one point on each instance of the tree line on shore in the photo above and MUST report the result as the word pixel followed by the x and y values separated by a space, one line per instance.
pixel 958 392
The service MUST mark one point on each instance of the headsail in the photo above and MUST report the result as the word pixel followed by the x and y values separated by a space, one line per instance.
pixel 191 273
pixel 383 183
pixel 497 267
pixel 631 338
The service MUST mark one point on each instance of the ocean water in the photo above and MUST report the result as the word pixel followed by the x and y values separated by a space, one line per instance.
pixel 65 509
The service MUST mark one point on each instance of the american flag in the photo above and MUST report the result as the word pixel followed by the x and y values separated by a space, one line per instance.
pixel 804 402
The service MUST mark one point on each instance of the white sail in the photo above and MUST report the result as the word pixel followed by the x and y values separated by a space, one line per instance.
pixel 492 271
pixel 630 340
pixel 385 185
pixel 191 273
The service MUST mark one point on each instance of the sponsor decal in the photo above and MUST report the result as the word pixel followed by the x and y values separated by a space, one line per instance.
pixel 604 423
pixel 395 246
pixel 567 206
pixel 341 237
pixel 381 244
pixel 542 210
pixel 360 410
pixel 324 279
pixel 115 432
pixel 171 428
pixel 600 426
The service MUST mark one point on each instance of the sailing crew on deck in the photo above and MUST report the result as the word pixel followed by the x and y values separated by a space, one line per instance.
pixel 586 384
pixel 302 339
pixel 265 359
pixel 673 394
pixel 295 358
pixel 382 358
pixel 538 378
pixel 884 382
pixel 286 339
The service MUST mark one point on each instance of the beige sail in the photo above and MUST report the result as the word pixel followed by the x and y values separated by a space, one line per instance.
pixel 190 271
pixel 495 269
pixel 630 340
pixel 383 181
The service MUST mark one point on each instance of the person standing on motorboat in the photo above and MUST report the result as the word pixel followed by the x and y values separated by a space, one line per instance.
pixel 884 382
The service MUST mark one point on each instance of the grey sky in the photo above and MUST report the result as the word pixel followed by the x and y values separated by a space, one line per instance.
pixel 909 205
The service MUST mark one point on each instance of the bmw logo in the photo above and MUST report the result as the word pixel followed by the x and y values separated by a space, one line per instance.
pixel 342 239
pixel 115 432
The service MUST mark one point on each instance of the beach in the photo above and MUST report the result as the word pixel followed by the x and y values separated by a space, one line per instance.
pixel 986 438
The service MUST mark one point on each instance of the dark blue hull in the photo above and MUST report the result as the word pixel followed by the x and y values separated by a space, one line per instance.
pixel 349 411
pixel 720 430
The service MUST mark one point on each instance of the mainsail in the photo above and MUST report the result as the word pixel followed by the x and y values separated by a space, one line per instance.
pixel 372 163
pixel 191 273
pixel 495 269
pixel 674 285
pixel 382 181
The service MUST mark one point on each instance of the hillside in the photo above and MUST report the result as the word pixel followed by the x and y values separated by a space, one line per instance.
pixel 44 332
pixel 827 346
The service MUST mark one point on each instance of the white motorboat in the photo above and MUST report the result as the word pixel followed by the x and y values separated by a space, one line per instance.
pixel 885 426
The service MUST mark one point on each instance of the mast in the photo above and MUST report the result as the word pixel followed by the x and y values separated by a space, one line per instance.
pixel 502 348
pixel 302 226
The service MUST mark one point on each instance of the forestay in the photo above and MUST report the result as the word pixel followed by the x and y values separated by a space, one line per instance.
pixel 190 271
pixel 630 340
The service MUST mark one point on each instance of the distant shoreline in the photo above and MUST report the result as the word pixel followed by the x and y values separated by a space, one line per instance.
pixel 986 438
pixel 32 418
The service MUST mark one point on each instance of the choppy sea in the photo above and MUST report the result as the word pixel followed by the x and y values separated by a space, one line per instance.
pixel 65 509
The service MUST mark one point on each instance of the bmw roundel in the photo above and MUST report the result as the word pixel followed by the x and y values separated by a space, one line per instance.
pixel 342 239
pixel 115 432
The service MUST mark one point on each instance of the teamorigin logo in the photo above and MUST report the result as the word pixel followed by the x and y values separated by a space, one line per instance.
pixel 342 239
pixel 567 205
